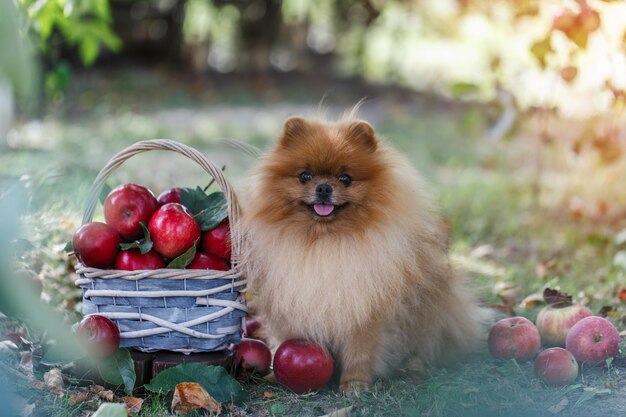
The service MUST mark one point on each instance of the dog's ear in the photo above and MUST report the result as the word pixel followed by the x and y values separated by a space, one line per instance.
pixel 362 134
pixel 294 128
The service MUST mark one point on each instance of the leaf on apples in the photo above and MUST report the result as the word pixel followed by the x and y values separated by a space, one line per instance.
pixel 119 369
pixel 144 245
pixel 208 210
pixel 189 396
pixel 106 189
pixel 185 259
pixel 111 410
pixel 214 379
pixel 555 298
pixel 69 247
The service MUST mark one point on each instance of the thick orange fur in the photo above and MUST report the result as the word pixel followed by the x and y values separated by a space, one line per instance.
pixel 374 283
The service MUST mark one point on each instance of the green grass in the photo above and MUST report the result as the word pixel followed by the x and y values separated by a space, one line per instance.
pixel 487 200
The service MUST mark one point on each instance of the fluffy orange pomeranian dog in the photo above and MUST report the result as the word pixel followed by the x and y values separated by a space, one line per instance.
pixel 344 247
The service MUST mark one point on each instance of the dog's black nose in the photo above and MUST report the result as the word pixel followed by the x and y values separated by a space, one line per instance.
pixel 324 190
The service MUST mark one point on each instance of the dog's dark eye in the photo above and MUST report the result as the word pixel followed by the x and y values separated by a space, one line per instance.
pixel 345 179
pixel 305 176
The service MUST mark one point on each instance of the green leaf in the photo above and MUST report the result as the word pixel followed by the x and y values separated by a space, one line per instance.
pixel 144 245
pixel 119 369
pixel 89 49
pixel 62 354
pixel 185 259
pixel 111 410
pixel 69 246
pixel 214 379
pixel 215 212
pixel 106 189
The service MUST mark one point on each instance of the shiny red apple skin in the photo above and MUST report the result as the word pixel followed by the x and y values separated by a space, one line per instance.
pixel 253 355
pixel 252 326
pixel 217 241
pixel 100 336
pixel 173 230
pixel 204 261
pixel 556 366
pixel 593 340
pixel 134 260
pixel 514 338
pixel 302 365
pixel 96 244
pixel 554 323
pixel 127 206
pixel 169 196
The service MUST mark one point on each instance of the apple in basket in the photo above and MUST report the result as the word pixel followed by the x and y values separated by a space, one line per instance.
pixel 173 230
pixel 96 244
pixel 99 335
pixel 207 261
pixel 134 260
pixel 302 365
pixel 127 206
pixel 169 196
pixel 217 240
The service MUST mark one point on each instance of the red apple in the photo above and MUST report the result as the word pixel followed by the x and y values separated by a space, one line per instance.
pixel 173 230
pixel 556 366
pixel 592 340
pixel 252 327
pixel 128 205
pixel 253 356
pixel 514 338
pixel 302 365
pixel 100 335
pixel 553 322
pixel 204 261
pixel 169 196
pixel 134 260
pixel 217 241
pixel 96 244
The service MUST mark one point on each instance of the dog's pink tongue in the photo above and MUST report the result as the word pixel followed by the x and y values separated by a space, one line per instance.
pixel 323 209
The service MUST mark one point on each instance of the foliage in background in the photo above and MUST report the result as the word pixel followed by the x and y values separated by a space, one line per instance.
pixel 64 24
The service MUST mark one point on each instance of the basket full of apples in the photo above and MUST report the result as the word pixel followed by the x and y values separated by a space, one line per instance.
pixel 165 271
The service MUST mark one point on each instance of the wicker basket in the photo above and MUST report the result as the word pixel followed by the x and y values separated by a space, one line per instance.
pixel 168 309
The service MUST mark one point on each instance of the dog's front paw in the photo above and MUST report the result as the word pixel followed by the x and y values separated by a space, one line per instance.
pixel 353 387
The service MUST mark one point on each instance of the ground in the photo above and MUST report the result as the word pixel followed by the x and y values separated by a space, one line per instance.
pixel 511 227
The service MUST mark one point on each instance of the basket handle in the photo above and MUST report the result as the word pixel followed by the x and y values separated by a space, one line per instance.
pixel 191 153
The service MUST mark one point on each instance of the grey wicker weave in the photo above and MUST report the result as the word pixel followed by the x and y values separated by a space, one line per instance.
pixel 168 309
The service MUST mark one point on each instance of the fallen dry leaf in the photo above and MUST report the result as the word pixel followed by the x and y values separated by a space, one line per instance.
pixel 96 388
pixel 621 294
pixel 269 394
pixel 133 404
pixel 533 300
pixel 35 383
pixel 560 406
pixel 106 395
pixel 508 292
pixel 54 381
pixel 78 397
pixel 26 361
pixel 190 396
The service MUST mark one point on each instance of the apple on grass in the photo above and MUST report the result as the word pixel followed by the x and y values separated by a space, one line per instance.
pixel 99 335
pixel 556 366
pixel 556 319
pixel 127 206
pixel 252 355
pixel 173 230
pixel 302 365
pixel 134 260
pixel 514 338
pixel 593 340
pixel 96 244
